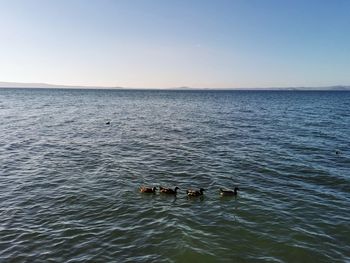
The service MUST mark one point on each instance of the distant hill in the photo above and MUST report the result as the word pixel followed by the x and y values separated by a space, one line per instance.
pixel 45 85
pixel 48 86
pixel 339 87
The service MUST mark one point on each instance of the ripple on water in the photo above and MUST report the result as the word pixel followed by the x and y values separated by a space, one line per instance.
pixel 70 183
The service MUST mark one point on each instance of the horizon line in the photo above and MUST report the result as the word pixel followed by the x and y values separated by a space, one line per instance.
pixel 7 84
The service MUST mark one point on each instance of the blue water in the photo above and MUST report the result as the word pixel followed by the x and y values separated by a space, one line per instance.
pixel 69 182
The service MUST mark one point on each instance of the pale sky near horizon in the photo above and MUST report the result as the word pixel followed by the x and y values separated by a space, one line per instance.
pixel 172 43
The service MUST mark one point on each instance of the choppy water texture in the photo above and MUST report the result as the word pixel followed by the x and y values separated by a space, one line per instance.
pixel 69 182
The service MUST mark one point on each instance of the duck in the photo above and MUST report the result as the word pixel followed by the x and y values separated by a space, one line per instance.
pixel 151 190
pixel 169 191
pixel 225 192
pixel 193 193
pixel 108 122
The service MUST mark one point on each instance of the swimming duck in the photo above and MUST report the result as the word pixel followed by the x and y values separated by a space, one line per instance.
pixel 224 192
pixel 150 190
pixel 169 191
pixel 193 193
pixel 108 122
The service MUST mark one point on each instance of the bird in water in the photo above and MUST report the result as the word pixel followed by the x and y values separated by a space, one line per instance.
pixel 150 190
pixel 194 193
pixel 108 122
pixel 168 191
pixel 225 192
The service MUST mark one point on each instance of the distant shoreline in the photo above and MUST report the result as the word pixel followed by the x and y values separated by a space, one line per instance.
pixel 15 85
pixel 167 89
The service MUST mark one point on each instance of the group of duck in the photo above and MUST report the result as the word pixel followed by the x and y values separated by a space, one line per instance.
pixel 189 192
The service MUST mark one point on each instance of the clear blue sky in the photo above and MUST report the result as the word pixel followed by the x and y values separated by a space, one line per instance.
pixel 170 43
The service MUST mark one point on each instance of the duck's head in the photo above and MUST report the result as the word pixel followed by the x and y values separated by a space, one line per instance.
pixel 177 188
pixel 201 190
pixel 154 188
pixel 236 189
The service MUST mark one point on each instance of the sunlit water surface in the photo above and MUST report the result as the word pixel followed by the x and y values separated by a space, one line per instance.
pixel 69 182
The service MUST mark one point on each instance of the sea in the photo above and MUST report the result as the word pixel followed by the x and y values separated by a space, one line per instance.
pixel 69 182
